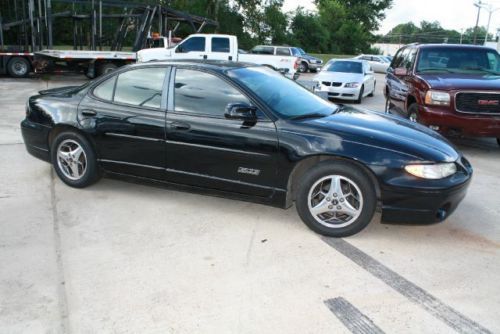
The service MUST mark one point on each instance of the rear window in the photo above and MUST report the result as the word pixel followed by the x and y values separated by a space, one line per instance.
pixel 345 67
pixel 220 44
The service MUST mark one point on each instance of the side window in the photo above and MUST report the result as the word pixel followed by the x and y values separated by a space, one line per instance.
pixel 398 59
pixel 105 90
pixel 202 93
pixel 141 87
pixel 192 44
pixel 263 50
pixel 220 44
pixel 409 58
pixel 282 51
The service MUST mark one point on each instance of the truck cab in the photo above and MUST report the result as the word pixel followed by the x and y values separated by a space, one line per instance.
pixel 196 46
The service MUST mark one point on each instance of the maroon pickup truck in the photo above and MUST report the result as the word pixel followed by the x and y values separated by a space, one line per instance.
pixel 454 89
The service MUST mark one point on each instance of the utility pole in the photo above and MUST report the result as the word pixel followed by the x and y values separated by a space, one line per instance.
pixel 461 35
pixel 490 11
pixel 478 5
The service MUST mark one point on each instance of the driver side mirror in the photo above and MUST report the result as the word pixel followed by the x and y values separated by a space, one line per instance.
pixel 401 71
pixel 241 111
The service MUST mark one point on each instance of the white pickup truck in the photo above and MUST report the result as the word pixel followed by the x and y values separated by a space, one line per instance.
pixel 219 47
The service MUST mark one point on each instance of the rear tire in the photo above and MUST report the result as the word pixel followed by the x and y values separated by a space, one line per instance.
pixel 303 67
pixel 373 91
pixel 18 67
pixel 105 68
pixel 498 141
pixel 325 209
pixel 74 160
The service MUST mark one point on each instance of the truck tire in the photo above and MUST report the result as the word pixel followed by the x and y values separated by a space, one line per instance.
pixel 105 68
pixel 18 67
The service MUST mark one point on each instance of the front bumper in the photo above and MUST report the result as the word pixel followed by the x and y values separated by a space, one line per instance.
pixel 456 123
pixel 35 138
pixel 341 92
pixel 431 202
pixel 314 66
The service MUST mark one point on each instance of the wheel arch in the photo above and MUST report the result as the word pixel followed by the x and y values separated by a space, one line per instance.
pixel 61 127
pixel 410 100
pixel 302 166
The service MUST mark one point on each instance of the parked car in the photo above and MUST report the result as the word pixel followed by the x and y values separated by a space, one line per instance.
pixel 308 62
pixel 454 89
pixel 346 79
pixel 223 47
pixel 248 132
pixel 377 62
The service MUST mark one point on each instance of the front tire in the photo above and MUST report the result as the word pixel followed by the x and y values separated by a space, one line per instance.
pixel 373 91
pixel 336 199
pixel 360 97
pixel 74 160
pixel 498 141
pixel 413 112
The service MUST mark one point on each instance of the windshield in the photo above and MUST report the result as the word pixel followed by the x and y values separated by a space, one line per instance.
pixel 345 67
pixel 296 52
pixel 285 97
pixel 459 60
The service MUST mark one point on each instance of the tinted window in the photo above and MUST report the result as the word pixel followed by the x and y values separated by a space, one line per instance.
pixel 409 58
pixel 263 50
pixel 192 44
pixel 346 67
pixel 105 89
pixel 398 59
pixel 220 44
pixel 141 87
pixel 296 52
pixel 202 93
pixel 283 51
pixel 284 96
pixel 459 60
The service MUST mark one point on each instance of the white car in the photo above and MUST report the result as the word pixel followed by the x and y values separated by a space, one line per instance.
pixel 346 79
pixel 380 64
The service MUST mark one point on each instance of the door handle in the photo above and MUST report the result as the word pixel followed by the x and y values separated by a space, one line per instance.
pixel 89 112
pixel 180 126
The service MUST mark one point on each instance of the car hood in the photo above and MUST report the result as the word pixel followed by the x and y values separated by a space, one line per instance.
pixel 388 132
pixel 457 81
pixel 339 77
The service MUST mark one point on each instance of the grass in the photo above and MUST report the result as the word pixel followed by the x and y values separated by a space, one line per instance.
pixel 326 57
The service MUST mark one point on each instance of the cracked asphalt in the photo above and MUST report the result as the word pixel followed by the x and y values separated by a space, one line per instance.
pixel 122 257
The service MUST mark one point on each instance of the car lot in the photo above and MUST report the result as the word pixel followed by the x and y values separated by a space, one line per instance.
pixel 126 257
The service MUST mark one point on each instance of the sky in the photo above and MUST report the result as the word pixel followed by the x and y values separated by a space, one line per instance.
pixel 452 14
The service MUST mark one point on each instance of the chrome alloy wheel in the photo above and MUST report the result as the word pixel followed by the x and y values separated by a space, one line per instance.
pixel 335 201
pixel 71 159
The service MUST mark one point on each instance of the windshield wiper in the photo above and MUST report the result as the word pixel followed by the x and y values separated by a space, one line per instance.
pixel 311 115
pixel 435 69
pixel 484 69
pixel 317 114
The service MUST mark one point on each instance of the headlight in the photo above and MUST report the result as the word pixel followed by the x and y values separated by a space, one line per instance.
pixel 434 172
pixel 139 57
pixel 352 85
pixel 437 98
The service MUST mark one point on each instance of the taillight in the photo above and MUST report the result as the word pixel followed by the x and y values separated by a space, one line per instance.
pixel 297 63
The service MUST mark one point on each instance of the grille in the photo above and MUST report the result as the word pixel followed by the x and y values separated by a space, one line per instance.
pixel 484 103
pixel 336 84
pixel 326 83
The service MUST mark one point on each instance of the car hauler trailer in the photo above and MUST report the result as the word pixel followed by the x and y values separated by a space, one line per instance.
pixel 100 30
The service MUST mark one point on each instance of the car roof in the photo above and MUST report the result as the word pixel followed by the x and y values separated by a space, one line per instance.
pixel 449 46
pixel 218 65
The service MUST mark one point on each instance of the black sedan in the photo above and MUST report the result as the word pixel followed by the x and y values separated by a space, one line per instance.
pixel 246 131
